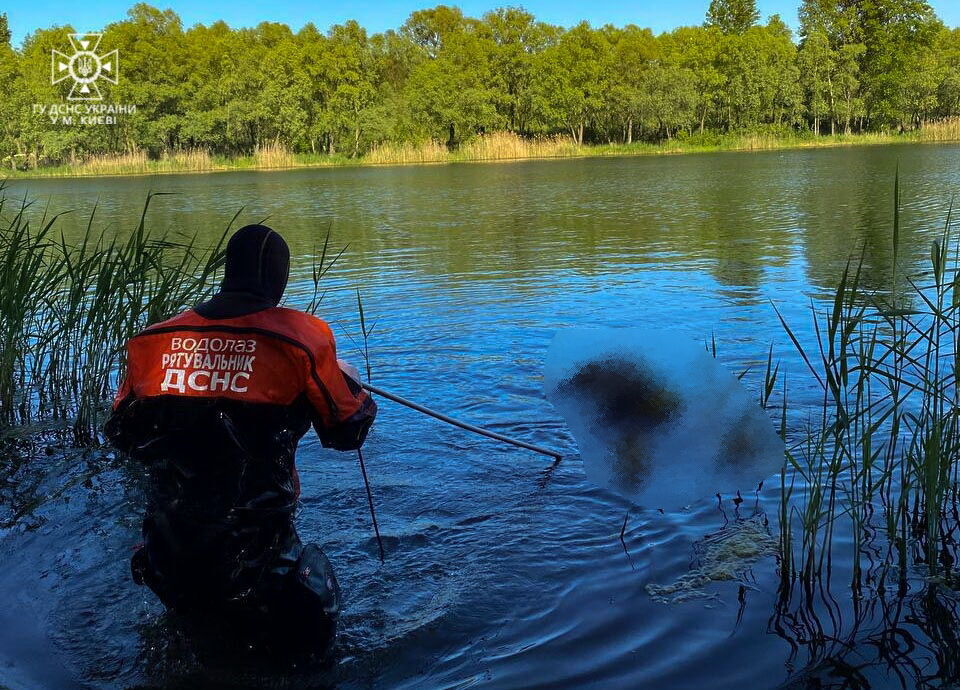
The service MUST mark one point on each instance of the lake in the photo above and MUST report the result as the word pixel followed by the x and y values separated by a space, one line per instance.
pixel 495 575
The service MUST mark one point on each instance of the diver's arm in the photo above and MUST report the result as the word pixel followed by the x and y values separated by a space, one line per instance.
pixel 343 411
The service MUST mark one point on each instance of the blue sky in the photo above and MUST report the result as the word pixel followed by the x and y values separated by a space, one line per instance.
pixel 377 15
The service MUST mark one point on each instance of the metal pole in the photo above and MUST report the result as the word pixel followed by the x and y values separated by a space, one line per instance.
pixel 463 425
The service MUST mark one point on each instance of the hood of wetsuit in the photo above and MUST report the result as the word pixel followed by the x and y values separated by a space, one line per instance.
pixel 255 275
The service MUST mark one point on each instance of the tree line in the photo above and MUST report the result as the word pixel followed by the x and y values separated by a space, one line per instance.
pixel 854 66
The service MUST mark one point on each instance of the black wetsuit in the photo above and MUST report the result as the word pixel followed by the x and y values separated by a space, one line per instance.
pixel 214 404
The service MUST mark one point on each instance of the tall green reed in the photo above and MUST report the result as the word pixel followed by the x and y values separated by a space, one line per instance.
pixel 887 440
pixel 67 309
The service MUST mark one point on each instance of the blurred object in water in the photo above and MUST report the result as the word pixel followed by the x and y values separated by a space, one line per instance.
pixel 657 419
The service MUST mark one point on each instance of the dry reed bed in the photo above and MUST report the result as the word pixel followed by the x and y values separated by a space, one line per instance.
pixel 492 146
pixel 510 146
pixel 429 151
pixel 274 155
pixel 941 130
pixel 136 163
pixel 485 147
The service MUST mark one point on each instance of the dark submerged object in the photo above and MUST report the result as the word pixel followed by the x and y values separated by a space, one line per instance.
pixel 631 403
pixel 218 535
pixel 656 418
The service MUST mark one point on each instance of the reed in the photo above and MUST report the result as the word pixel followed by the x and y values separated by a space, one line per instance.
pixel 510 146
pixel 274 155
pixel 887 440
pixel 484 147
pixel 944 130
pixel 758 142
pixel 193 160
pixel 429 151
pixel 130 163
pixel 493 146
pixel 68 308
pixel 136 162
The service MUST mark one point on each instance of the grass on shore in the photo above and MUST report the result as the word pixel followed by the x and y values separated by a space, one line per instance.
pixel 495 146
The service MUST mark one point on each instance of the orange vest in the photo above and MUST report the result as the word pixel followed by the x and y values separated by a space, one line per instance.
pixel 271 356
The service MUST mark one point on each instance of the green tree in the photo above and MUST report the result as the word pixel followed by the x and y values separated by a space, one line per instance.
pixel 669 100
pixel 633 51
pixel 698 49
pixel 517 38
pixel 452 91
pixel 816 63
pixel 281 100
pixel 354 81
pixel 39 138
pixel 840 26
pixel 732 16
pixel 572 79
pixel 429 29
pixel 211 54
pixel 152 71
pixel 895 35
pixel 760 78
pixel 948 92
pixel 12 107
pixel 858 65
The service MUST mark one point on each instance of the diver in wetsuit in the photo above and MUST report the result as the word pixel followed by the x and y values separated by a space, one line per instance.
pixel 214 403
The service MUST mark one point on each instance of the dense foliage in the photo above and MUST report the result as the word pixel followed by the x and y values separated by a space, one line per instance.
pixel 857 65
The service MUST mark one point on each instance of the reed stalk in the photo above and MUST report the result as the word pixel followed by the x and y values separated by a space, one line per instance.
pixel 274 155
pixel 945 130
pixel 68 308
pixel 888 439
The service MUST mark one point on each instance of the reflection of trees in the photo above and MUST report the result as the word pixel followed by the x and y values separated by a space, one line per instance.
pixel 727 216
pixel 741 230
pixel 859 209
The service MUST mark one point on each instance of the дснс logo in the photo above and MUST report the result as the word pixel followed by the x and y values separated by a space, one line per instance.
pixel 85 67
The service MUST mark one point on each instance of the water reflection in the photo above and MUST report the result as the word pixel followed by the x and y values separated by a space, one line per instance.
pixel 738 217
pixel 889 639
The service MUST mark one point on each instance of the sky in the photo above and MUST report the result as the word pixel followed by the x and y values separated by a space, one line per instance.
pixel 379 15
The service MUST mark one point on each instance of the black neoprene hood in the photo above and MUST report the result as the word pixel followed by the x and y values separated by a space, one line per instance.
pixel 255 274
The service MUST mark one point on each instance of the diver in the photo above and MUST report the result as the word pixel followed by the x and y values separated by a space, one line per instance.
pixel 214 403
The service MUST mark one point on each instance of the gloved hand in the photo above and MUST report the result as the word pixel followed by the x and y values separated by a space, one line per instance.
pixel 349 370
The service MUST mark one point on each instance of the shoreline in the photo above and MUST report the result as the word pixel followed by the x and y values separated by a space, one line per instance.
pixel 640 149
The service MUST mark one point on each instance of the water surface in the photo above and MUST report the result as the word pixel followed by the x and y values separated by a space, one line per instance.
pixel 494 577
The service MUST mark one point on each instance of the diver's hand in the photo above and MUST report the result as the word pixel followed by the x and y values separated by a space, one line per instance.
pixel 349 370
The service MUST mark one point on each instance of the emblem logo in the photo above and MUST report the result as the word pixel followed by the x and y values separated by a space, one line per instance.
pixel 85 67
